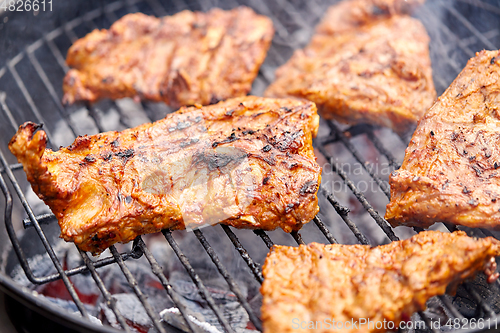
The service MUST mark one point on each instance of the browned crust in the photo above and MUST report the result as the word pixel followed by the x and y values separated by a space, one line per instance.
pixel 111 187
pixel 365 64
pixel 184 59
pixel 450 169
pixel 350 282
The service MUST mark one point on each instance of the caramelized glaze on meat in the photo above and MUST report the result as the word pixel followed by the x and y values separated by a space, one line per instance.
pixel 247 162
pixel 365 64
pixel 187 58
pixel 450 170
pixel 317 282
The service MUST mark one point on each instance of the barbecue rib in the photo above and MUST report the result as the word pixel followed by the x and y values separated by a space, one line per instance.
pixel 184 59
pixel 449 173
pixel 316 284
pixel 365 64
pixel 247 162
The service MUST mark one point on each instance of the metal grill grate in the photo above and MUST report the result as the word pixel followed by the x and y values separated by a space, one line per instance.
pixel 294 24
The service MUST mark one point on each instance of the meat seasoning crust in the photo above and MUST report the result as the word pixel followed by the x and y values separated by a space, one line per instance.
pixel 365 64
pixel 247 162
pixel 187 58
pixel 319 283
pixel 450 170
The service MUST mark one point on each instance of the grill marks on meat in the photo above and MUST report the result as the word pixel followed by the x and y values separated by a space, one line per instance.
pixel 245 162
pixel 366 63
pixel 350 282
pixel 450 170
pixel 184 59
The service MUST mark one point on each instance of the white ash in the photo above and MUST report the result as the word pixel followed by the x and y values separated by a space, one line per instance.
pixel 173 317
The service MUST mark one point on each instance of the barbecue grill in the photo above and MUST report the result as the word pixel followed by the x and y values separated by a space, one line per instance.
pixel 356 163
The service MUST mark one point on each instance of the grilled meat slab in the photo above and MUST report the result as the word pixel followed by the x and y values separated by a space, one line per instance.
pixel 247 162
pixel 450 170
pixel 365 64
pixel 187 58
pixel 348 283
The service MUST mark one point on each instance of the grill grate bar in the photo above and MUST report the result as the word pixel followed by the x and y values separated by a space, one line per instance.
pixel 57 54
pixel 380 147
pixel 481 302
pixel 418 229
pixel 254 267
pixel 47 218
pixel 469 26
pixel 428 322
pixel 446 301
pixel 298 238
pixel 68 28
pixel 205 5
pixel 92 14
pixel 279 28
pixel 488 233
pixel 135 286
pixel 53 34
pixel 262 7
pixel 14 61
pixel 315 11
pixel 15 242
pixel 95 115
pixel 28 99
pixel 91 24
pixel 196 280
pixel 294 14
pixel 43 238
pixel 110 15
pixel 157 270
pixel 481 4
pixel 52 92
pixel 157 7
pixel 114 6
pixel 82 269
pixel 179 5
pixel 384 225
pixel 486 307
pixel 42 219
pixel 267 240
pixel 442 49
pixel 344 211
pixel 13 167
pixel 355 130
pixel 438 22
pixel 344 214
pixel 110 301
pixel 11 232
pixel 230 281
pixel 322 227
pixel 366 165
pixel 451 227
pixel 132 8
pixel 122 117
pixel 93 111
pixel 6 110
pixel 469 287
